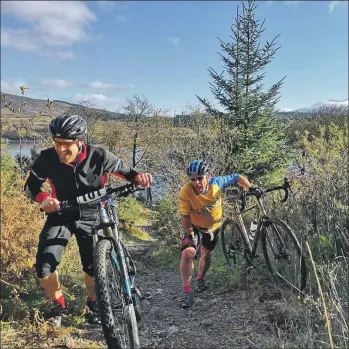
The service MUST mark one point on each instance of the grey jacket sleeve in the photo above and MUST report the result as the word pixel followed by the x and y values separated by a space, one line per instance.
pixel 113 164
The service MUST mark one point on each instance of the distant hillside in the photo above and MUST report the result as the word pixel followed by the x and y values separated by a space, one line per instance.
pixel 330 107
pixel 330 104
pixel 38 107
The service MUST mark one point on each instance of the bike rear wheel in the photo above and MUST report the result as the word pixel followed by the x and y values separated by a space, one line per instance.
pixel 234 245
pixel 118 318
pixel 283 254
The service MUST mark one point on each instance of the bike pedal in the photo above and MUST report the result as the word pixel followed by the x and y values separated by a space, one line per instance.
pixel 147 295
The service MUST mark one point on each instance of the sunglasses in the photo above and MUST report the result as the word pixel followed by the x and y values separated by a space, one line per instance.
pixel 65 144
pixel 197 179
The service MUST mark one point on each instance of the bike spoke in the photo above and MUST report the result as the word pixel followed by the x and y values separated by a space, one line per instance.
pixel 283 254
pixel 233 244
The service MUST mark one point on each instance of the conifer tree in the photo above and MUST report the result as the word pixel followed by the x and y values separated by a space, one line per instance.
pixel 247 113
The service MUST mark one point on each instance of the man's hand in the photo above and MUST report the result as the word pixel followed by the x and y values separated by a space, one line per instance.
pixel 255 191
pixel 144 179
pixel 50 205
pixel 188 241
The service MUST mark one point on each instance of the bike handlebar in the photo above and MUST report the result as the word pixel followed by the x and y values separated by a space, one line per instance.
pixel 99 195
pixel 258 193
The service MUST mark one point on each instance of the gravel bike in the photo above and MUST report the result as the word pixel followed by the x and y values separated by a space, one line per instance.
pixel 282 251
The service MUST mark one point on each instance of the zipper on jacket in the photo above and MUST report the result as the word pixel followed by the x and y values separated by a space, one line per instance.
pixel 76 183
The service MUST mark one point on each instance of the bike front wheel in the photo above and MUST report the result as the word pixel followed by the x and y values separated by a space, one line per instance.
pixel 117 314
pixel 234 245
pixel 283 254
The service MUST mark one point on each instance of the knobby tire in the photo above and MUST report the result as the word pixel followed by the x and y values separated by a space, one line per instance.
pixel 102 280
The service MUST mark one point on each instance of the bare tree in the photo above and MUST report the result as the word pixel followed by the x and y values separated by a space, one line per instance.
pixel 136 109
pixel 91 115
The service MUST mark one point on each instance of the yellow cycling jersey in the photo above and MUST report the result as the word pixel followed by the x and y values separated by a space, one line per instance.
pixel 205 210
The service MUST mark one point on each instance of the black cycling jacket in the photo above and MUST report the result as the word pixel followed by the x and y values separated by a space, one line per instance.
pixel 71 180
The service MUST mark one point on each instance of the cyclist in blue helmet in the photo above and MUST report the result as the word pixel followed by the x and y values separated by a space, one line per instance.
pixel 200 205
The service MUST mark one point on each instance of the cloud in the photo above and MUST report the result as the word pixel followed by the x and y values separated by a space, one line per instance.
pixel 292 3
pixel 107 86
pixel 11 87
pixel 62 55
pixel 174 40
pixel 99 101
pixel 56 83
pixel 333 4
pixel 19 39
pixel 93 85
pixel 48 24
pixel 98 87
pixel 285 109
pixel 111 7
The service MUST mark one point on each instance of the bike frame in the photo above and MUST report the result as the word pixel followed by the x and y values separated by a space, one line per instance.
pixel 261 215
pixel 99 232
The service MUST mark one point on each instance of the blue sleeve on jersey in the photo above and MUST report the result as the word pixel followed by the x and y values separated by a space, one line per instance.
pixel 225 181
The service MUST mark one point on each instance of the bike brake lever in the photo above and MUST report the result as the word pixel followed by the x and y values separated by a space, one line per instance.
pixel 243 200
pixel 286 186
pixel 287 189
pixel 286 196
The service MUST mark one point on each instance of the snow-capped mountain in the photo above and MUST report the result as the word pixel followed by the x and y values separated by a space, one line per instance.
pixel 327 104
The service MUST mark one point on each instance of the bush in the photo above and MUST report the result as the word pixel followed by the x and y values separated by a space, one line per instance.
pixel 7 162
pixel 21 224
pixel 319 213
pixel 166 222
pixel 131 213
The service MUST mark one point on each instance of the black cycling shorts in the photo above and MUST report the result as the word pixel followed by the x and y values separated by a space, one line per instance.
pixel 53 239
pixel 205 238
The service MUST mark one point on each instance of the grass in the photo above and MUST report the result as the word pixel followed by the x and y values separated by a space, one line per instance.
pixel 218 274
pixel 138 233
pixel 293 322
pixel 23 324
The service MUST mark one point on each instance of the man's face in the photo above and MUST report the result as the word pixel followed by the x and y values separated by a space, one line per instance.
pixel 199 182
pixel 67 149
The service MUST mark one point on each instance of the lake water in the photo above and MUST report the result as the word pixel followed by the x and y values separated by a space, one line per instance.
pixel 15 148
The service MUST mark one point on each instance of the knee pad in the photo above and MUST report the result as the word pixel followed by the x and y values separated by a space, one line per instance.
pixel 44 270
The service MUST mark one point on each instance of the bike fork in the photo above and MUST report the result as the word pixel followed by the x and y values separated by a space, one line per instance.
pixel 124 271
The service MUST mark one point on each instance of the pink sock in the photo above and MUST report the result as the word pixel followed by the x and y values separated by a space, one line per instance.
pixel 187 288
pixel 198 276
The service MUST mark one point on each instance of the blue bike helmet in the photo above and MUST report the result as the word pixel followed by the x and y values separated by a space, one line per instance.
pixel 198 167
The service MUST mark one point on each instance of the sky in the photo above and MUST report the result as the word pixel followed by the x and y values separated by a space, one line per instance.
pixel 107 51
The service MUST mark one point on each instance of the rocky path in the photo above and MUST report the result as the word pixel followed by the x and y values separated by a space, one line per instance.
pixel 220 317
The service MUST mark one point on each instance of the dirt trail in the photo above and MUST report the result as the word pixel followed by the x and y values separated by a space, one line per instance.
pixel 220 317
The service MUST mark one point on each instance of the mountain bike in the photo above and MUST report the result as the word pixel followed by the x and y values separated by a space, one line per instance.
pixel 117 296
pixel 282 251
